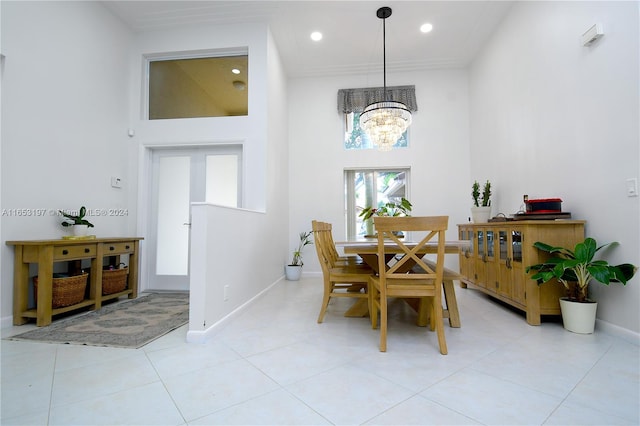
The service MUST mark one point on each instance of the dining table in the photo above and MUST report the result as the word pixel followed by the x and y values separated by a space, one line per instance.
pixel 367 249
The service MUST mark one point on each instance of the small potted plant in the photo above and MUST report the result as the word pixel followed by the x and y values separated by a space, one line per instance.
pixel 575 269
pixel 79 224
pixel 294 269
pixel 403 208
pixel 481 209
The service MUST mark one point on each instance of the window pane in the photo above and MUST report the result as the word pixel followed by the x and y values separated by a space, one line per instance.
pixel 364 188
pixel 222 180
pixel 198 87
pixel 172 257
pixel 358 139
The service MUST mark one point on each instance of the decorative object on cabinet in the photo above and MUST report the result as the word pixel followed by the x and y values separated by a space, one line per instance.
pixel 481 209
pixel 575 269
pixel 494 262
pixel 293 271
pixel 79 224
pixel 385 121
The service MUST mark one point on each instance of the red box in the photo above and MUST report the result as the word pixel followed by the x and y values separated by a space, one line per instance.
pixel 544 205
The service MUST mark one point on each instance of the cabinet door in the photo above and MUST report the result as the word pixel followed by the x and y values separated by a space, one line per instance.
pixel 505 257
pixel 517 269
pixel 491 265
pixel 479 275
pixel 465 234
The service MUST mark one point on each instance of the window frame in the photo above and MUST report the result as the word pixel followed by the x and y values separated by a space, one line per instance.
pixel 351 211
pixel 187 54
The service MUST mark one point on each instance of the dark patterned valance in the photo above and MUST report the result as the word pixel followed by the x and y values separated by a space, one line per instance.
pixel 356 100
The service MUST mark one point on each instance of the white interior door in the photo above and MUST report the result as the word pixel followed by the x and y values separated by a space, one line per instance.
pixel 180 176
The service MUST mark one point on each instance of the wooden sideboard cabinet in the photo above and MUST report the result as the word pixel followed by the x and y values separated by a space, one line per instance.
pixel 499 252
pixel 45 253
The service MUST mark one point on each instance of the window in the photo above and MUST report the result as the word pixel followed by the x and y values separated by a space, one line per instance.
pixel 198 87
pixel 356 138
pixel 351 103
pixel 371 187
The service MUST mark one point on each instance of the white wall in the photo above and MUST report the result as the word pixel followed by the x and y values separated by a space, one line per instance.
pixel 552 118
pixel 438 154
pixel 65 101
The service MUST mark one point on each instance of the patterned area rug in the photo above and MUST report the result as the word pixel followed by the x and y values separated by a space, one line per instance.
pixel 126 324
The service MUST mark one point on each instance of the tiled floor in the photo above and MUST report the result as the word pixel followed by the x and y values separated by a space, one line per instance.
pixel 274 364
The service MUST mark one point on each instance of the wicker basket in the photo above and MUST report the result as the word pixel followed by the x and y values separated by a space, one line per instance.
pixel 114 280
pixel 65 291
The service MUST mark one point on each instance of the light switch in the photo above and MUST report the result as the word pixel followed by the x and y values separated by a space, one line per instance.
pixel 632 187
pixel 116 182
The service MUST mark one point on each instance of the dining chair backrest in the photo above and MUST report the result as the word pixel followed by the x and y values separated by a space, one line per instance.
pixel 324 240
pixel 317 228
pixel 434 228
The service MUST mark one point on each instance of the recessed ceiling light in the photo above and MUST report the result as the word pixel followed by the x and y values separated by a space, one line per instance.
pixel 235 71
pixel 425 28
pixel 316 36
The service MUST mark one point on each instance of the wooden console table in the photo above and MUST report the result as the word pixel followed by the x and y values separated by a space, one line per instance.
pixel 46 252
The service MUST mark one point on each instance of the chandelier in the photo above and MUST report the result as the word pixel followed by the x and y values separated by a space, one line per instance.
pixel 385 122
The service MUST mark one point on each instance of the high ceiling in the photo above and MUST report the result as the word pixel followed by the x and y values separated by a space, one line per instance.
pixel 352 32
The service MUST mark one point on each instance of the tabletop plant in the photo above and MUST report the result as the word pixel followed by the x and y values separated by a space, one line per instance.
pixel 576 268
pixel 73 219
pixel 403 208
pixel 486 194
pixel 305 240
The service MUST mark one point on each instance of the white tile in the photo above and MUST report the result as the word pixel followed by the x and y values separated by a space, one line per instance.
pixel 572 414
pixel 489 400
pixel 205 391
pixel 144 405
pixel 177 360
pixel 611 386
pixel 420 411
pixel 27 379
pixel 277 407
pixel 100 379
pixel 348 395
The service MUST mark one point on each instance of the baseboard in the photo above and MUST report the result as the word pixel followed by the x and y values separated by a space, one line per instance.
pixel 202 336
pixel 6 322
pixel 617 331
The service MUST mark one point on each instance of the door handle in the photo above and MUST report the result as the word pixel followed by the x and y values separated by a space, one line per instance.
pixel 187 224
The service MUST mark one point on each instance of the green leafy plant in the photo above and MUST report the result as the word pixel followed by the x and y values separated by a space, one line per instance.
pixel 305 240
pixel 73 219
pixel 486 194
pixel 576 268
pixel 403 208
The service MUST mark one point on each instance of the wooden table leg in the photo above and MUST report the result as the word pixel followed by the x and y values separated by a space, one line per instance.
pixel 20 286
pixel 45 286
pixel 451 303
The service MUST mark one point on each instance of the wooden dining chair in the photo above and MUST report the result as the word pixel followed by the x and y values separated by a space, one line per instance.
pixel 339 280
pixel 326 230
pixel 398 280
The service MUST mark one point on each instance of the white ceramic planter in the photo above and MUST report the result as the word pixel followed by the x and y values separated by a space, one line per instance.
pixel 292 272
pixel 480 214
pixel 80 230
pixel 578 317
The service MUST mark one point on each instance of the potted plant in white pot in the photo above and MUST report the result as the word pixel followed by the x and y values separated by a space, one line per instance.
pixel 79 224
pixel 393 209
pixel 481 209
pixel 293 271
pixel 575 269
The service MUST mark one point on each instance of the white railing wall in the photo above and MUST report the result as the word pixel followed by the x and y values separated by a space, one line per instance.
pixel 234 258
